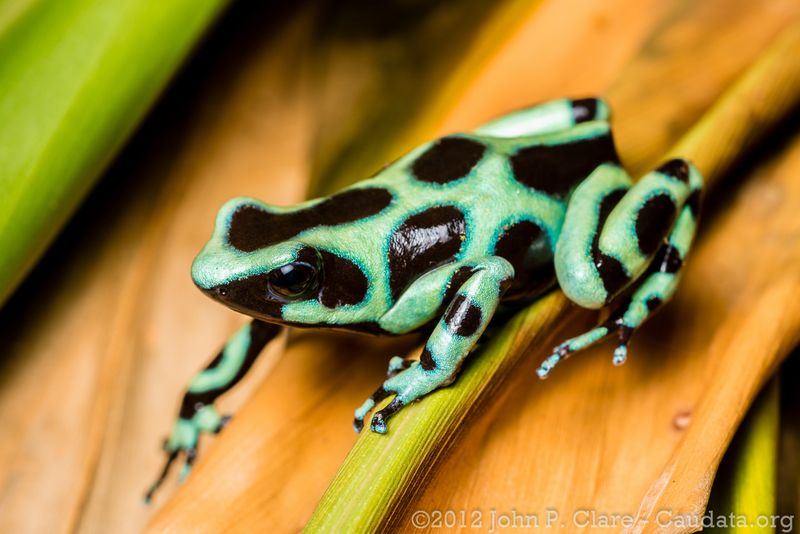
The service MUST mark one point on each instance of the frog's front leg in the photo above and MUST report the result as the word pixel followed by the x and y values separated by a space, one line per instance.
pixel 197 413
pixel 454 335
pixel 615 237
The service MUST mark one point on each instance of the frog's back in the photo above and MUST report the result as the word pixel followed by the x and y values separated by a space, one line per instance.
pixel 468 196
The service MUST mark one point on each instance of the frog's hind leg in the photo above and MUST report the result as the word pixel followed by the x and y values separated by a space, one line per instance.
pixel 197 413
pixel 463 322
pixel 634 235
pixel 548 117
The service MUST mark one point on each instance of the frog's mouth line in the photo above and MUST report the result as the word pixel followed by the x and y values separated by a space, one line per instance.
pixel 240 299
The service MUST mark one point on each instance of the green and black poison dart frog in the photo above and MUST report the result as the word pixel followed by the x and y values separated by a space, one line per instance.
pixel 438 240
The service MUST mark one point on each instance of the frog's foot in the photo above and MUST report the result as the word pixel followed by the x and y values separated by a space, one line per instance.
pixel 452 339
pixel 416 381
pixel 379 419
pixel 378 423
pixel 587 339
pixel 362 411
pixel 381 416
pixel 184 438
pixel 406 385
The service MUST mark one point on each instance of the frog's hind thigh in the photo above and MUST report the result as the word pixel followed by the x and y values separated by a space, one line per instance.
pixel 621 237
pixel 452 338
pixel 548 117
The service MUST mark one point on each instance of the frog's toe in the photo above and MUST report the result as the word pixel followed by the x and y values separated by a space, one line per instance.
pixel 550 362
pixel 621 352
pixel 397 365
pixel 191 456
pixel 379 419
pixel 362 411
pixel 171 457
pixel 184 438
pixel 223 422
pixel 358 425
pixel 583 341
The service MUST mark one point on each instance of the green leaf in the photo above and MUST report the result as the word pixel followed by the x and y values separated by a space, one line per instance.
pixel 76 76
pixel 743 498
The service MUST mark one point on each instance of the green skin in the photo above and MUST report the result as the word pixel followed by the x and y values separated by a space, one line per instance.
pixel 601 236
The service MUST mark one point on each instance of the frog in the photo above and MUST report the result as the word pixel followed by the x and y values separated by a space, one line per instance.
pixel 442 240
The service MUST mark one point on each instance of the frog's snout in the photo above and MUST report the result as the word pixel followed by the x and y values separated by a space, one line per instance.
pixel 218 293
pixel 222 258
pixel 221 291
pixel 208 274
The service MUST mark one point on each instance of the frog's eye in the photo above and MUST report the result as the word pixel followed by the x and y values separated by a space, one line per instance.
pixel 292 281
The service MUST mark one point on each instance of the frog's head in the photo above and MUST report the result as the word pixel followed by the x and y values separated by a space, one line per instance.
pixel 255 264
